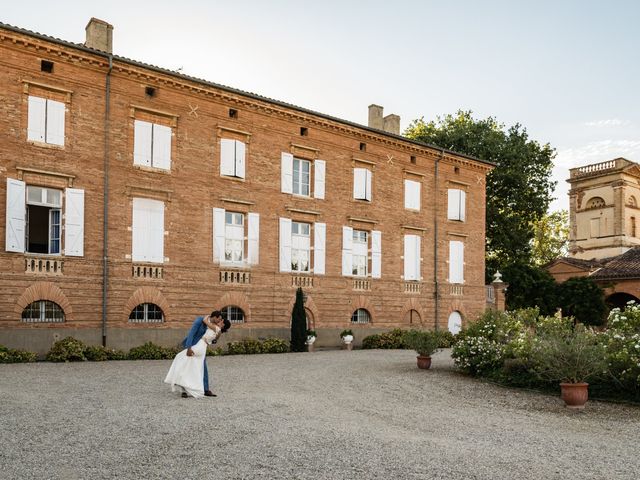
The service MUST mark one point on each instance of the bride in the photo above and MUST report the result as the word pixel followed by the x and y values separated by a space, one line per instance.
pixel 187 368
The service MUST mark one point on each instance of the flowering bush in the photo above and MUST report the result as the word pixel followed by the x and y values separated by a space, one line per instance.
pixel 622 340
pixel 391 339
pixel 9 355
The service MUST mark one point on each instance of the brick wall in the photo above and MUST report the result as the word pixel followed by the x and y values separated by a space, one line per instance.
pixel 190 283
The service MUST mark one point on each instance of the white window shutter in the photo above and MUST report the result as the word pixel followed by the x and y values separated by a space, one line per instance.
pixel 156 231
pixel 412 195
pixel 55 122
pixel 319 240
pixel 140 230
pixel 142 136
pixel 37 118
pixel 285 244
pixel 240 159
pixel 254 238
pixel 347 251
pixel 376 253
pixel 417 258
pixel 368 193
pixel 409 257
pixel 456 262
pixel 218 234
pixel 318 178
pixel 463 205
pixel 161 147
pixel 74 222
pixel 227 157
pixel 453 195
pixel 359 183
pixel 16 213
pixel 286 174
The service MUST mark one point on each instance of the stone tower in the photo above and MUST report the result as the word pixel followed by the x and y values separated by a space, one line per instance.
pixel 603 209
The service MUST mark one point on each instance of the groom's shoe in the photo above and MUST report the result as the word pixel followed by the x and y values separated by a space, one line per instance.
pixel 184 395
pixel 209 393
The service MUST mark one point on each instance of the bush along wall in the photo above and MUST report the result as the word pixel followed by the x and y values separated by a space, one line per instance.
pixel 9 355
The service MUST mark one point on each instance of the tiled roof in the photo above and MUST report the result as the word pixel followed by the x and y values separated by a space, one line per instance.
pixel 234 91
pixel 581 263
pixel 626 265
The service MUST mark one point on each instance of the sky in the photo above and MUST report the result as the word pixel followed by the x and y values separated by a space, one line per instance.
pixel 566 70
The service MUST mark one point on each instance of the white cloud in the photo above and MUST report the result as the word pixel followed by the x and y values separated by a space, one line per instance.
pixel 610 122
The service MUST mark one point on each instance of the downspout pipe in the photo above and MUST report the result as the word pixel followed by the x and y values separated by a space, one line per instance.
pixel 435 244
pixel 105 206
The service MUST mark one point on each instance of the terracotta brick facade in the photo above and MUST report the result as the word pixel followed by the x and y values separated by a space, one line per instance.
pixel 188 282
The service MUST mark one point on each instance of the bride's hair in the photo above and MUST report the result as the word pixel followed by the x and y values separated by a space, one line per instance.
pixel 227 326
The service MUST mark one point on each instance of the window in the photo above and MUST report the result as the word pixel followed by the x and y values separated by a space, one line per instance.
pixel 454 324
pixel 34 219
pixel 148 231
pixel 456 262
pixel 360 316
pixel 594 229
pixel 356 245
pixel 46 66
pixel 146 313
pixel 360 251
pixel 296 246
pixel 412 195
pixel 457 201
pixel 150 92
pixel 595 202
pixel 46 121
pixel 152 145
pixel 301 177
pixel 236 237
pixel 233 113
pixel 232 158
pixel 362 184
pixel 300 246
pixel 304 131
pixel 43 311
pixel 233 314
pixel 412 258
pixel 296 176
pixel 632 226
pixel 413 159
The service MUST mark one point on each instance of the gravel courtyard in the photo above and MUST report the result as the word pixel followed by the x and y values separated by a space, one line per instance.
pixel 326 415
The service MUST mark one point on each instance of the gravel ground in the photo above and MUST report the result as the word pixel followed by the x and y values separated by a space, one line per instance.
pixel 326 415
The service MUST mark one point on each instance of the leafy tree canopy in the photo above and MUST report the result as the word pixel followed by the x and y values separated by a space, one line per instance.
pixel 551 237
pixel 518 189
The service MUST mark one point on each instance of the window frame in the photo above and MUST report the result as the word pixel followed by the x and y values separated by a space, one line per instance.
pixel 54 207
pixel 358 313
pixel 230 311
pixel 296 250
pixel 234 232
pixel 145 313
pixel 297 179
pixel 42 312
pixel 359 242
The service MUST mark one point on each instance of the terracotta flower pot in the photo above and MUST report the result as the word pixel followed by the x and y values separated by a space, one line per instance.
pixel 575 395
pixel 423 362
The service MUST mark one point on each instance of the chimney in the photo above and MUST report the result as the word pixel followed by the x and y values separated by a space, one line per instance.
pixel 99 35
pixel 375 116
pixel 390 123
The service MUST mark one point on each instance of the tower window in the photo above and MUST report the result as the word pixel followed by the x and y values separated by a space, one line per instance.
pixel 46 66
pixel 150 91
pixel 233 113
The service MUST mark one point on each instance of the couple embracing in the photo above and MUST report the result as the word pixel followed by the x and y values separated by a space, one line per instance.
pixel 189 369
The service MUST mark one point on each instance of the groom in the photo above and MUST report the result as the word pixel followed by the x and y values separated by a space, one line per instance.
pixel 195 334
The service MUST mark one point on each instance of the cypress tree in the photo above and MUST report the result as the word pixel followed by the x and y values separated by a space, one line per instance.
pixel 298 324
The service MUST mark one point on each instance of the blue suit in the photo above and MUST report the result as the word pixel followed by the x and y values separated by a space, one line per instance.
pixel 198 329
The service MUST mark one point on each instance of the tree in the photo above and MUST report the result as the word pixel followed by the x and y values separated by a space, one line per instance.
pixel 518 189
pixel 298 324
pixel 583 299
pixel 530 286
pixel 551 237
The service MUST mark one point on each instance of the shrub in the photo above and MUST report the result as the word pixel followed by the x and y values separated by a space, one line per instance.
pixel 423 342
pixel 96 353
pixel 113 354
pixel 446 339
pixel 311 333
pixel 214 352
pixel 274 345
pixel 391 339
pixel 151 351
pixel 582 298
pixel 345 332
pixel 9 355
pixel 573 357
pixel 67 350
pixel 622 339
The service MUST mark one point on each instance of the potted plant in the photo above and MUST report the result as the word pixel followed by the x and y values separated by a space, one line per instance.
pixel 424 343
pixel 347 338
pixel 311 338
pixel 570 358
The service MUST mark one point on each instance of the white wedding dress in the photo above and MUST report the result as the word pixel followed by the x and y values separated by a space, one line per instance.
pixel 187 372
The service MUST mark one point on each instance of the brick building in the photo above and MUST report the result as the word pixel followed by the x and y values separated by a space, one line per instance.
pixel 137 198
pixel 604 243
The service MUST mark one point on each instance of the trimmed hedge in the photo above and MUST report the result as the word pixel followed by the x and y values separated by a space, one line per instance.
pixel 248 346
